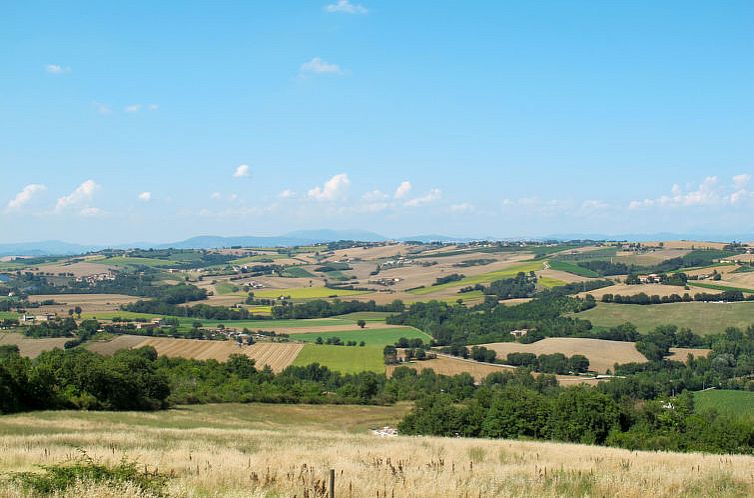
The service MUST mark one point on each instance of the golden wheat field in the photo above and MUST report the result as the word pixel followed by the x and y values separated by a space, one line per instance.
pixel 286 451
pixel 31 347
pixel 277 355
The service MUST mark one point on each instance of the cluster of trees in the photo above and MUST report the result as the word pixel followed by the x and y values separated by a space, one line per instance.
pixel 476 353
pixel 644 299
pixel 204 311
pixel 700 257
pixel 320 308
pixel 506 407
pixel 337 341
pixel 491 322
pixel 556 363
pixel 453 277
pixel 522 285
pixel 80 379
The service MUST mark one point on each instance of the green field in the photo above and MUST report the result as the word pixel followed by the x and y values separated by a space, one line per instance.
pixel 572 268
pixel 720 287
pixel 481 278
pixel 129 261
pixel 224 288
pixel 372 337
pixel 736 403
pixel 702 318
pixel 346 359
pixel 369 316
pixel 306 293
pixel 186 322
pixel 8 315
pixel 297 272
pixel 549 282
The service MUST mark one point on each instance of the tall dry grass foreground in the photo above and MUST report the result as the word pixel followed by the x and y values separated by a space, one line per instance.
pixel 286 451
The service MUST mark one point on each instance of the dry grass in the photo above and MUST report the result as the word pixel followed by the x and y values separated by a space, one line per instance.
pixel 249 451
pixel 276 355
pixel 81 269
pixel 687 244
pixel 32 347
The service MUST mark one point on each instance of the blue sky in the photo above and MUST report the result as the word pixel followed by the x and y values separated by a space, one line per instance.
pixel 158 121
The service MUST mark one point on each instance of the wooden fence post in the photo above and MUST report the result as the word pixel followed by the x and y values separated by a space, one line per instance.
pixel 332 483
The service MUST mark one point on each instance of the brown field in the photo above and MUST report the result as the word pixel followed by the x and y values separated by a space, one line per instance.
pixel 561 275
pixel 681 354
pixel 449 365
pixel 602 354
pixel 708 271
pixel 81 269
pixel 371 253
pixel 651 257
pixel 32 347
pixel 277 355
pixel 687 244
pixel 632 290
pixel 90 303
pixel 265 451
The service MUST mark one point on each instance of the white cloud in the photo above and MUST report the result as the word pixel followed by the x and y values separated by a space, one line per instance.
pixel 91 212
pixel 593 205
pixel 215 195
pixel 462 208
pixel 346 7
pixel 287 194
pixel 145 196
pixel 374 196
pixel 242 171
pixel 319 66
pixel 335 188
pixel 57 69
pixel 24 196
pixel 433 195
pixel 403 190
pixel 81 195
pixel 132 108
pixel 153 107
pixel 709 192
pixel 103 109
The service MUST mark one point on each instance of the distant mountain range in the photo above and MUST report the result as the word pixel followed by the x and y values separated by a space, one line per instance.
pixel 304 237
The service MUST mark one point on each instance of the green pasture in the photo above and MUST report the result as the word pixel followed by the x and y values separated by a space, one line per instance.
pixel 734 403
pixel 372 337
pixel 306 293
pixel 345 359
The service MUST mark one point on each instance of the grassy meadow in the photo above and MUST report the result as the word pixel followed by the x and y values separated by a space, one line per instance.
pixel 306 293
pixel 271 451
pixel 702 318
pixel 481 278
pixel 345 359
pixel 735 403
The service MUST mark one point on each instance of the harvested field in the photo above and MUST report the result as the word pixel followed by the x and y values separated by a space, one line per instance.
pixel 295 445
pixel 276 355
pixel 90 303
pixel 680 354
pixel 449 365
pixel 81 269
pixel 687 244
pixel 602 354
pixel 632 290
pixel 32 347
pixel 649 258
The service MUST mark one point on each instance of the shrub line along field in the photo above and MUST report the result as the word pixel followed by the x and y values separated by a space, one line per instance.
pixel 213 450
pixel 701 318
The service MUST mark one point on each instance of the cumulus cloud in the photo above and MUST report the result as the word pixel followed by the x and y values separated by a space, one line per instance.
pixel 287 194
pixel 57 69
pixel 403 190
pixel 24 196
pixel 145 196
pixel 101 108
pixel 81 195
pixel 345 7
pixel 242 171
pixel 433 195
pixel 319 66
pixel 132 108
pixel 462 208
pixel 710 192
pixel 335 188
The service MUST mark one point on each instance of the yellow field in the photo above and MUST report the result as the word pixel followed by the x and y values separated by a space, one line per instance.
pixel 89 303
pixel 264 451
pixel 32 347
pixel 305 293
pixel 449 365
pixel 632 290
pixel 602 354
pixel 276 355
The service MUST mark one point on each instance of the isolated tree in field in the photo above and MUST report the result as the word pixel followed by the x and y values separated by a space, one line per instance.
pixel 77 309
pixel 70 312
pixel 361 323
